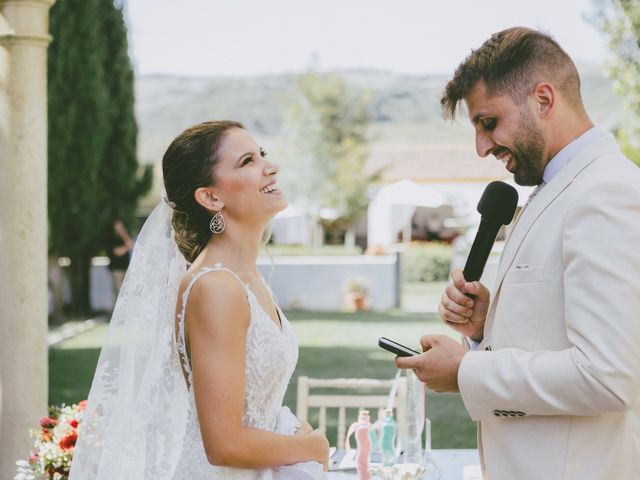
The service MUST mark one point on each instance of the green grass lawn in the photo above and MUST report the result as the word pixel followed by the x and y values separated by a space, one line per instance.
pixel 334 344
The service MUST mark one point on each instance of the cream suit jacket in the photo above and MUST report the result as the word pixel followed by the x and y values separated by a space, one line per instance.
pixel 555 382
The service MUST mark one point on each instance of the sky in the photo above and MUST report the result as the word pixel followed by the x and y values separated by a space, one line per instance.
pixel 256 37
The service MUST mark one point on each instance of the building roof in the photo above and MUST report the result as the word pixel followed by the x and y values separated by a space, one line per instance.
pixel 433 163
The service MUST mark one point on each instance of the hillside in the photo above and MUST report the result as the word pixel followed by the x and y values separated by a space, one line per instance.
pixel 407 125
pixel 404 108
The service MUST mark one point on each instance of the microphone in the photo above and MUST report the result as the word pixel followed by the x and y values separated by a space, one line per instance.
pixel 496 206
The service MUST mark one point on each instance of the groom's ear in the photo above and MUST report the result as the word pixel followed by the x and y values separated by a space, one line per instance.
pixel 205 197
pixel 544 95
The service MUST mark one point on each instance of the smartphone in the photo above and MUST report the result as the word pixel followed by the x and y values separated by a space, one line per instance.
pixel 395 347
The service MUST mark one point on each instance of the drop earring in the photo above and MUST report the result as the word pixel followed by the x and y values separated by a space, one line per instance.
pixel 217 223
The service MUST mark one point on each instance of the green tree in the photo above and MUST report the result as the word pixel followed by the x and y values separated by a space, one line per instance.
pixel 327 123
pixel 620 21
pixel 92 134
pixel 120 183
pixel 78 101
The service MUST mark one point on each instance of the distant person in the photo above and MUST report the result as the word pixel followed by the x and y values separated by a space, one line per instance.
pixel 553 375
pixel 192 375
pixel 119 247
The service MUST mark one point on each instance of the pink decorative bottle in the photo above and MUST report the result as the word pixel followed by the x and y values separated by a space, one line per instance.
pixel 363 442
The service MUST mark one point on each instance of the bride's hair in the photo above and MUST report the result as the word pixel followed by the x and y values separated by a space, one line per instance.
pixel 188 164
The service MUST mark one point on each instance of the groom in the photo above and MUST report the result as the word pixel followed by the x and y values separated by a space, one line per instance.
pixel 550 367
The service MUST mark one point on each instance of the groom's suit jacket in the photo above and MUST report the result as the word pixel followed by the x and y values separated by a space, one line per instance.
pixel 555 382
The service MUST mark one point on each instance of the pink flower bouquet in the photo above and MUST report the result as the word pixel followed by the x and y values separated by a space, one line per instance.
pixel 54 444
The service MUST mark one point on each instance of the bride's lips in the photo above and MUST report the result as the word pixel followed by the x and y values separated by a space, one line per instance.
pixel 271 189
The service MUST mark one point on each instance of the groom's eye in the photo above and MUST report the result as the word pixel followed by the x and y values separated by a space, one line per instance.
pixel 489 123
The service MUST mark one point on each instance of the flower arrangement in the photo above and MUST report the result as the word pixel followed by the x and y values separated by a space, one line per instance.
pixel 54 444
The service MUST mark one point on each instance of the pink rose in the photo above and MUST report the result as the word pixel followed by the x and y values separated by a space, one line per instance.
pixel 48 422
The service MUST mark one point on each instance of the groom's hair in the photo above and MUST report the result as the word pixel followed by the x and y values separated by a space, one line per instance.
pixel 512 62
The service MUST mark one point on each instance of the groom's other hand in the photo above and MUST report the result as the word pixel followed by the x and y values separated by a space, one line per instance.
pixel 438 366
pixel 461 313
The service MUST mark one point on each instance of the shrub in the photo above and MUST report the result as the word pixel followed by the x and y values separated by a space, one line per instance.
pixel 427 262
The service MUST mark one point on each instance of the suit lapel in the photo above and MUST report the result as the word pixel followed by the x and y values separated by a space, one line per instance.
pixel 601 146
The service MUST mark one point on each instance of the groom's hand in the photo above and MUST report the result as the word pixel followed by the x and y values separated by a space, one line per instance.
pixel 465 315
pixel 438 366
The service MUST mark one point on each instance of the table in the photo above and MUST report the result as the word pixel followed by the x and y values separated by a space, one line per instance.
pixel 450 461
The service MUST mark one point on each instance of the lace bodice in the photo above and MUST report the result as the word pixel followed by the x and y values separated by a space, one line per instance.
pixel 271 356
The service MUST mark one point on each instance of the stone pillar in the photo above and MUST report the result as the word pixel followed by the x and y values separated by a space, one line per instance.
pixel 24 26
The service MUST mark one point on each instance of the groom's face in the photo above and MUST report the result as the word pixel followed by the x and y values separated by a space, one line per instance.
pixel 508 132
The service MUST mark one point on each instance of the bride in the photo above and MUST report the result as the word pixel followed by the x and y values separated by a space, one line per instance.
pixel 190 381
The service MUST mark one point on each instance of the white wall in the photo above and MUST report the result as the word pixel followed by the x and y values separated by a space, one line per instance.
pixel 300 282
pixel 317 282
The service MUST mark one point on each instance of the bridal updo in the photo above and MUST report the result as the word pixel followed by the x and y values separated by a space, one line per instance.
pixel 188 164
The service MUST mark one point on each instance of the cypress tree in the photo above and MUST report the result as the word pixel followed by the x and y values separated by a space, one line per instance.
pixel 120 184
pixel 92 135
pixel 77 124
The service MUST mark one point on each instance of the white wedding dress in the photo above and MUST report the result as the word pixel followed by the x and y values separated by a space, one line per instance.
pixel 140 421
pixel 271 356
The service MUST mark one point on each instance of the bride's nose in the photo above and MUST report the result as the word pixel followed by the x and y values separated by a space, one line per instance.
pixel 272 169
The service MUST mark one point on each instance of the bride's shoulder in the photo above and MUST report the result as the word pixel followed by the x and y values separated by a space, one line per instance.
pixel 214 293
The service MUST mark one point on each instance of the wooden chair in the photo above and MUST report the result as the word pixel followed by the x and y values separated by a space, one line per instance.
pixel 351 399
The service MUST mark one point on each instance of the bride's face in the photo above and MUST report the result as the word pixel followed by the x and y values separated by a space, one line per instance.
pixel 246 181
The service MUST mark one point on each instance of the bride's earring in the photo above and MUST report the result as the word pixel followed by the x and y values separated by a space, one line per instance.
pixel 217 223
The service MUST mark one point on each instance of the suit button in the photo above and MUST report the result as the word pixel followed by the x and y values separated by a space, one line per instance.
pixel 520 414
pixel 488 348
pixel 496 413
pixel 513 414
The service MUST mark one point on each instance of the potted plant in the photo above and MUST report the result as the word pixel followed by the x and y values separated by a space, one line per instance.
pixel 356 293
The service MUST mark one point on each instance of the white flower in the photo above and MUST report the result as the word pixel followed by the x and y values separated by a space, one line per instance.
pixel 25 472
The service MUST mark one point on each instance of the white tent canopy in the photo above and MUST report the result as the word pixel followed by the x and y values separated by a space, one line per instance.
pixel 394 205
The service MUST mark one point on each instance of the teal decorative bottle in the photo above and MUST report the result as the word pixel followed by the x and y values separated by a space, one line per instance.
pixel 388 439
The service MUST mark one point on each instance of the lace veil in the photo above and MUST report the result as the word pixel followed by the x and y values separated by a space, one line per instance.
pixel 136 412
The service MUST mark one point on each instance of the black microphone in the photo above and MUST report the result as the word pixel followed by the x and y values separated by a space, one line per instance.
pixel 496 206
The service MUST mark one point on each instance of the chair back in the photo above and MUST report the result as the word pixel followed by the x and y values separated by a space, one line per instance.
pixel 355 394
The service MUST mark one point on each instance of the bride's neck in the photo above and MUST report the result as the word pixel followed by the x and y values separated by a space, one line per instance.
pixel 235 248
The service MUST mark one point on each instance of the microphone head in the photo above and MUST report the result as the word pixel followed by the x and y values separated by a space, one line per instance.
pixel 498 203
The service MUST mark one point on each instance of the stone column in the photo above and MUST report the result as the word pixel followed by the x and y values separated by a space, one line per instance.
pixel 24 26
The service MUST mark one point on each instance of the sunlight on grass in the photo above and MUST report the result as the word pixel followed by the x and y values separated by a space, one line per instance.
pixel 332 344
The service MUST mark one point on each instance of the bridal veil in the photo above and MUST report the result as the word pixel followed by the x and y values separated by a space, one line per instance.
pixel 135 417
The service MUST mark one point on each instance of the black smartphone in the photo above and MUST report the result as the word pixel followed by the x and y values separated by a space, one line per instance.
pixel 395 347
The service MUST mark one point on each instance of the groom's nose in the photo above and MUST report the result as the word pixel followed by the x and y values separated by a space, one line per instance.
pixel 484 143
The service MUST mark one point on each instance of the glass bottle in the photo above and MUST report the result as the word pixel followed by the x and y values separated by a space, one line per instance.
pixel 363 445
pixel 375 435
pixel 432 471
pixel 415 397
pixel 388 439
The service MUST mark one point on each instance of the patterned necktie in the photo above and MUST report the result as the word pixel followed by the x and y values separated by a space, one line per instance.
pixel 531 197
pixel 534 193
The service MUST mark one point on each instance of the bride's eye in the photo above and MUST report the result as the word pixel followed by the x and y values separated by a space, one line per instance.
pixel 246 160
pixel 263 152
